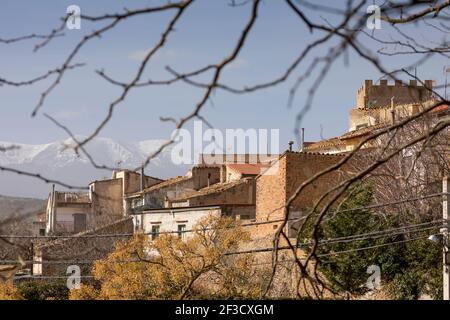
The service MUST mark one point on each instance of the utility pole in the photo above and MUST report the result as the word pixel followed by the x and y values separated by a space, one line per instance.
pixel 445 229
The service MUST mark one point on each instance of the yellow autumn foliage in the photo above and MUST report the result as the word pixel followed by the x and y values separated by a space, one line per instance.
pixel 170 268
pixel 9 292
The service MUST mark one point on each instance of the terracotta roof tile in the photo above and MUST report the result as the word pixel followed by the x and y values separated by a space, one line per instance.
pixel 362 131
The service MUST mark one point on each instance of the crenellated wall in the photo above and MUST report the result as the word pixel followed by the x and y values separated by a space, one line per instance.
pixel 370 95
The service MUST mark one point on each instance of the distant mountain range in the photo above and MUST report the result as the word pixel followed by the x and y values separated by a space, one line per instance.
pixel 19 206
pixel 55 161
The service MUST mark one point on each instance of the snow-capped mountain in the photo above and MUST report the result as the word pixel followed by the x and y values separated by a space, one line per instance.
pixel 56 161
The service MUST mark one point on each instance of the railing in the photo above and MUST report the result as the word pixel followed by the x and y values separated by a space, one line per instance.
pixel 73 197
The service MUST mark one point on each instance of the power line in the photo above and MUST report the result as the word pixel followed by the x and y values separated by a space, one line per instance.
pixel 358 237
pixel 386 204
pixel 300 245
pixel 431 225
pixel 242 225
pixel 353 250
pixel 112 235
pixel 49 277
pixel 371 247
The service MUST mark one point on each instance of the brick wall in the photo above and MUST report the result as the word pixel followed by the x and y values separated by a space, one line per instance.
pixel 202 174
pixel 242 193
pixel 274 190
pixel 132 181
pixel 157 197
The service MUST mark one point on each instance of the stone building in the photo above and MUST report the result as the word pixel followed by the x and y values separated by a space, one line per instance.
pixel 74 212
pixel 201 180
pixel 67 212
pixel 377 106
pixel 181 220
pixel 82 249
pixel 371 96
pixel 234 192
pixel 83 215
pixel 220 189
pixel 159 194
pixel 273 189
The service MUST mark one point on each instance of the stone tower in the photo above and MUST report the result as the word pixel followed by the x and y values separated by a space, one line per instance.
pixel 373 96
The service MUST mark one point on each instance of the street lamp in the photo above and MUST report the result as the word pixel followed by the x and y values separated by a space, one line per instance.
pixel 437 238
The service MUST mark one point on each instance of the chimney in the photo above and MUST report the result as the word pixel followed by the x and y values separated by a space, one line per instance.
pixel 429 84
pixel 290 145
pixel 142 179
pixel 223 173
pixel 302 139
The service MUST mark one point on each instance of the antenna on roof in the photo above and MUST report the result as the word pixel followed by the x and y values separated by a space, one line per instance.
pixel 290 145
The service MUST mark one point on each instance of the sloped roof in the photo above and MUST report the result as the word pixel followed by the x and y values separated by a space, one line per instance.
pixel 219 159
pixel 166 183
pixel 215 188
pixel 332 142
pixel 247 168
pixel 362 131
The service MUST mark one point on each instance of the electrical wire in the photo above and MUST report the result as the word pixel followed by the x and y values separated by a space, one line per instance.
pixel 12 236
pixel 358 237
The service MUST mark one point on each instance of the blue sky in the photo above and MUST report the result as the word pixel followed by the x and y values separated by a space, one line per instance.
pixel 206 34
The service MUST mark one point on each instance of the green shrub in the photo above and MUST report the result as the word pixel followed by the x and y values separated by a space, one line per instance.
pixel 34 290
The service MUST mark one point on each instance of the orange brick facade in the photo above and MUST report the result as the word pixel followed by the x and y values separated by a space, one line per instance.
pixel 275 188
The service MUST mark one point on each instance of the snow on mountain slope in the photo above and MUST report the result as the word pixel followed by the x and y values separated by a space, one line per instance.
pixel 54 160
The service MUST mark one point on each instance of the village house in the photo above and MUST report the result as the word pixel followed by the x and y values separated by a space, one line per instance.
pixel 158 195
pixel 79 214
pixel 247 187
pixel 226 189
pixel 74 212
pixel 82 249
pixel 377 107
pixel 129 203
pixel 234 199
pixel 275 187
pixel 40 223
pixel 180 220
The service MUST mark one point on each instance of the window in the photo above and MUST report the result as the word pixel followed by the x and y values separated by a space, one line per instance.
pixel 136 203
pixel 155 232
pixel 182 231
pixel 42 232
pixel 79 222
